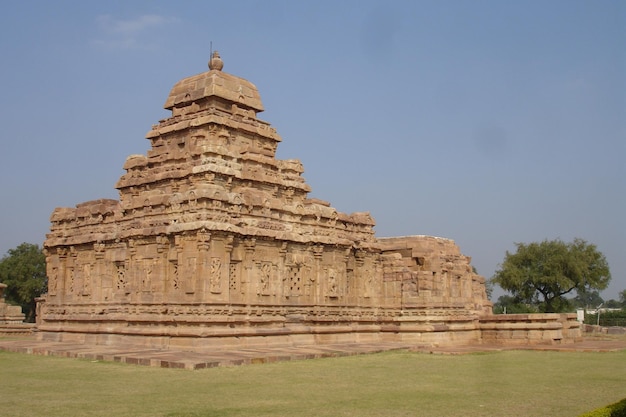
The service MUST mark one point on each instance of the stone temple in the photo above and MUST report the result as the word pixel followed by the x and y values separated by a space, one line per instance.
pixel 214 241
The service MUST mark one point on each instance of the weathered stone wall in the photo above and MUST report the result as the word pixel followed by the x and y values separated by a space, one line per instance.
pixel 436 274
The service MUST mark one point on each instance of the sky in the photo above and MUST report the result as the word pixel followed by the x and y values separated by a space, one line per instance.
pixel 486 122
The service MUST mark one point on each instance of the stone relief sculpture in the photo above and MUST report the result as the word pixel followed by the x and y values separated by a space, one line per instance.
pixel 265 278
pixel 215 275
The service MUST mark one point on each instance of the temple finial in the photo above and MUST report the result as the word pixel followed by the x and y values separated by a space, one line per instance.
pixel 216 63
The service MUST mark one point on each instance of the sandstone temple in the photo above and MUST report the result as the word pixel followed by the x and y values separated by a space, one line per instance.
pixel 214 241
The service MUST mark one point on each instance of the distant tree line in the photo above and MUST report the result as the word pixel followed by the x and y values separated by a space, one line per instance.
pixel 512 305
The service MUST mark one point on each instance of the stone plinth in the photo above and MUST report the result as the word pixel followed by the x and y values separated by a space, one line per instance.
pixel 530 329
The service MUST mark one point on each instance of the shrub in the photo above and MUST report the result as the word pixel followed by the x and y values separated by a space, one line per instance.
pixel 608 318
pixel 613 410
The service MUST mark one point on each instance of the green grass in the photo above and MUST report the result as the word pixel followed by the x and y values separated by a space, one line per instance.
pixel 509 383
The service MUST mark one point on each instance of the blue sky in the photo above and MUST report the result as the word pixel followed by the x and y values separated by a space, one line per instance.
pixel 487 122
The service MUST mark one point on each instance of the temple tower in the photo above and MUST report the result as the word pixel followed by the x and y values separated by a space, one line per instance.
pixel 214 240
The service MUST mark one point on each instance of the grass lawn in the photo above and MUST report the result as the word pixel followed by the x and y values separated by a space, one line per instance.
pixel 509 383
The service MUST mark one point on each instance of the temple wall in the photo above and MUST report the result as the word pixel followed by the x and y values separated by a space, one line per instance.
pixel 205 267
pixel 220 288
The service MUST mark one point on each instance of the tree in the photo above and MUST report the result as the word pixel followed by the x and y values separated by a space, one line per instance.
pixel 622 298
pixel 542 273
pixel 23 270
pixel 510 305
pixel 587 299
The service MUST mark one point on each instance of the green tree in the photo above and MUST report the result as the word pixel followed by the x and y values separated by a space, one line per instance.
pixel 587 299
pixel 23 270
pixel 622 298
pixel 612 304
pixel 507 304
pixel 542 273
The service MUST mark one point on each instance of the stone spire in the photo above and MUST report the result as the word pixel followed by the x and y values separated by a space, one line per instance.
pixel 205 88
pixel 216 63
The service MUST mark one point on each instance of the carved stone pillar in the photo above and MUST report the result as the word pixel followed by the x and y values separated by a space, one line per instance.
pixel 314 285
pixel 227 272
pixel 359 273
pixel 132 267
pixel 161 270
pixel 100 281
pixel 176 268
pixel 283 272
pixel 204 269
pixel 70 281
pixel 187 266
pixel 248 276
pixel 62 274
